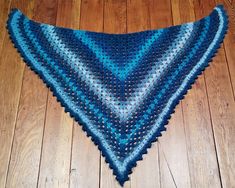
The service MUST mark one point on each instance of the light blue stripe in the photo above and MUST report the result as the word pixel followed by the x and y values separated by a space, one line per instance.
pixel 59 90
pixel 151 107
pixel 119 72
pixel 83 71
pixel 153 76
pixel 58 45
pixel 73 85
pixel 122 166
pixel 178 92
pixel 124 111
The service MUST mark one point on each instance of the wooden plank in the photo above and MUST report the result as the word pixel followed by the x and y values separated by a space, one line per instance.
pixel 55 161
pixel 29 122
pixel 85 155
pixel 173 143
pixel 146 174
pixel 200 144
pixel 173 152
pixel 180 16
pixel 167 179
pixel 114 22
pixel 25 158
pixel 68 14
pixel 160 14
pixel 85 162
pixel 5 5
pixel 222 108
pixel 56 152
pixel 229 41
pixel 25 155
pixel 11 74
pixel 115 16
pixel 230 1
pixel 137 16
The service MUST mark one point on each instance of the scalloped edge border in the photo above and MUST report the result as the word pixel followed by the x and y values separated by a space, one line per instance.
pixel 123 178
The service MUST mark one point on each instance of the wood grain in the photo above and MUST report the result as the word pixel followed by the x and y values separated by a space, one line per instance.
pixel 55 159
pixel 222 109
pixel 5 6
pixel 229 41
pixel 114 22
pixel 25 155
pixel 173 140
pixel 41 146
pixel 57 139
pixel 11 74
pixel 146 174
pixel 29 129
pixel 85 156
pixel 115 16
pixel 167 179
pixel 85 162
pixel 199 134
pixel 26 152
pixel 45 11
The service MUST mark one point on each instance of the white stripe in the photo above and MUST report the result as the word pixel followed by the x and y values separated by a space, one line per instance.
pixel 181 88
pixel 142 89
pixel 59 89
pixel 120 166
pixel 85 74
pixel 124 111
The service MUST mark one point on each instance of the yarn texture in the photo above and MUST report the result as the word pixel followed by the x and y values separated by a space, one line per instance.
pixel 121 88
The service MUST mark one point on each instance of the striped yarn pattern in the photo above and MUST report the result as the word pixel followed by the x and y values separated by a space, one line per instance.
pixel 122 88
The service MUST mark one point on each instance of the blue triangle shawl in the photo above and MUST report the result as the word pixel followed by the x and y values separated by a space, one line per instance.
pixel 121 88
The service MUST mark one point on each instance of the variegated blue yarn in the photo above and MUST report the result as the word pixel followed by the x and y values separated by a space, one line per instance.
pixel 122 88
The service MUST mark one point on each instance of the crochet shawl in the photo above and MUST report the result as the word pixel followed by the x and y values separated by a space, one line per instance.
pixel 121 88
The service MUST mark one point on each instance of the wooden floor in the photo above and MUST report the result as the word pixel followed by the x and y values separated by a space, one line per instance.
pixel 41 146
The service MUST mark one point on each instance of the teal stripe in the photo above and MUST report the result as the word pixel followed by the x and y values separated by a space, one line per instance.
pixel 161 93
pixel 119 72
pixel 72 84
pixel 59 90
